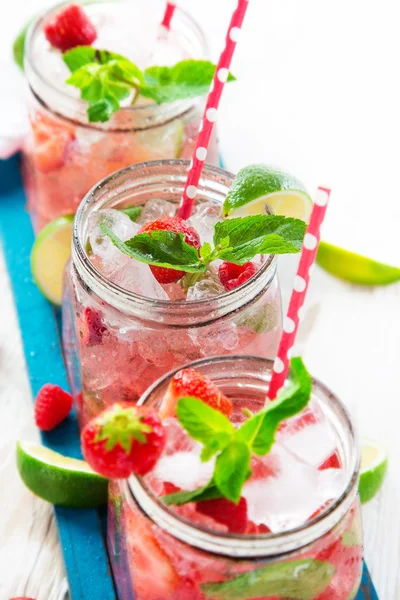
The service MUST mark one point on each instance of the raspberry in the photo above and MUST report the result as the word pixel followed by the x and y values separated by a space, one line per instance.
pixel 177 225
pixel 189 382
pixel 232 276
pixel 69 28
pixel 52 405
pixel 123 439
pixel 234 516
pixel 91 327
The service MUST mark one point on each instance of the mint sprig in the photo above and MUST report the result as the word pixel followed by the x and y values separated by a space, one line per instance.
pixel 105 79
pixel 234 447
pixel 236 240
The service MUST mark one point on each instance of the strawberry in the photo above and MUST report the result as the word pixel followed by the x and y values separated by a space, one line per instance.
pixel 52 405
pixel 22 598
pixel 123 439
pixel 69 28
pixel 234 516
pixel 91 327
pixel 189 382
pixel 177 225
pixel 232 276
pixel 51 143
pixel 332 462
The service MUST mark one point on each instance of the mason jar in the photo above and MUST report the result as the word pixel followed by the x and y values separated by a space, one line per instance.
pixel 157 553
pixel 137 338
pixel 64 155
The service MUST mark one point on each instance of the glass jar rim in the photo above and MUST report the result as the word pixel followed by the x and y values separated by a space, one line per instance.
pixel 249 545
pixel 131 302
pixel 155 114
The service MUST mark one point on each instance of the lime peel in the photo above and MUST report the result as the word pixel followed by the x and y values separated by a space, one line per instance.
pixel 58 479
pixel 355 268
pixel 49 255
pixel 374 466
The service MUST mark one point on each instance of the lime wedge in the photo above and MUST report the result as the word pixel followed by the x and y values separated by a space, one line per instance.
pixel 58 479
pixel 354 267
pixel 258 187
pixel 374 463
pixel 49 255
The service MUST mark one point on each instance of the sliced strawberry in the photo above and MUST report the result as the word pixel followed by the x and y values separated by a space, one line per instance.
pixel 177 225
pixel 332 462
pixel 234 516
pixel 69 28
pixel 91 327
pixel 232 276
pixel 51 143
pixel 189 382
pixel 152 572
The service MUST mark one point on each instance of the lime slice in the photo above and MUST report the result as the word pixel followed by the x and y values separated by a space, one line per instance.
pixel 374 463
pixel 58 479
pixel 49 255
pixel 258 187
pixel 354 267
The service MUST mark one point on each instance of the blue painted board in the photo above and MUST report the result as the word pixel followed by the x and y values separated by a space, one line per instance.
pixel 82 532
pixel 81 538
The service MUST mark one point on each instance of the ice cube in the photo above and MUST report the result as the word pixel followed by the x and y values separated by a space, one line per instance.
pixel 185 469
pixel 204 218
pixel 205 288
pixel 309 436
pixel 156 208
pixel 290 497
pixel 101 244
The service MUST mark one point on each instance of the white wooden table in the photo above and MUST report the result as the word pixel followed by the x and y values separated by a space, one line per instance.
pixel 317 94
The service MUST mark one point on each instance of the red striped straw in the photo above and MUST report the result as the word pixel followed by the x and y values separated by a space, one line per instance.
pixel 300 286
pixel 169 13
pixel 210 111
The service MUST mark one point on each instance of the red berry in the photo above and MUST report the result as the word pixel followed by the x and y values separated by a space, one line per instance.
pixel 123 439
pixel 332 462
pixel 52 405
pixel 232 276
pixel 234 516
pixel 69 28
pixel 189 382
pixel 91 327
pixel 177 225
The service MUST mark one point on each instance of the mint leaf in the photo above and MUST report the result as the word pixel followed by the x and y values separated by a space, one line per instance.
pixel 101 111
pixel 204 424
pixel 161 248
pixel 207 492
pixel 19 45
pixel 186 79
pixel 232 469
pixel 258 234
pixel 303 579
pixel 79 57
pixel 133 212
pixel 259 431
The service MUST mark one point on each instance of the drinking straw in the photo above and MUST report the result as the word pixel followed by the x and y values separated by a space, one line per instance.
pixel 169 13
pixel 210 111
pixel 300 286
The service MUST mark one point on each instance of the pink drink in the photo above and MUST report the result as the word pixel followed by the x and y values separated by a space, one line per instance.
pixel 302 538
pixel 64 155
pixel 122 329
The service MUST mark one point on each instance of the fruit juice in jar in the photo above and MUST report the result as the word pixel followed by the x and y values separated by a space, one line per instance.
pixel 296 532
pixel 122 329
pixel 64 155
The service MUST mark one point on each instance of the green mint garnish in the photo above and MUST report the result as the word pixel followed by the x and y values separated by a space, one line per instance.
pixel 106 79
pixel 133 212
pixel 234 447
pixel 302 579
pixel 236 240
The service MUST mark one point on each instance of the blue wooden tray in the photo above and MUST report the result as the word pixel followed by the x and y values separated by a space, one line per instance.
pixel 82 532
